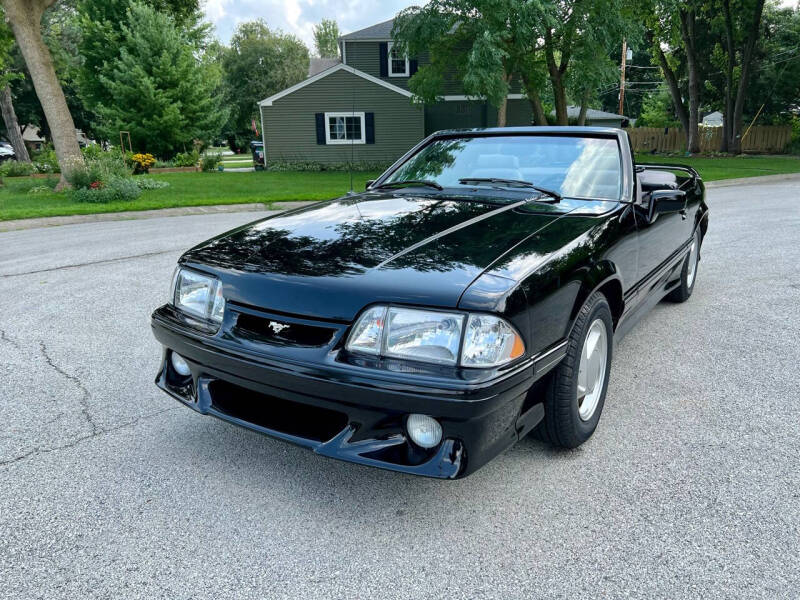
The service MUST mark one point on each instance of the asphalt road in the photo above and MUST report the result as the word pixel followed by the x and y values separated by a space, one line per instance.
pixel 109 489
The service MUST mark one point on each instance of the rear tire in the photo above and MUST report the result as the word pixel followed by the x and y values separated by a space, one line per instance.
pixel 578 385
pixel 688 273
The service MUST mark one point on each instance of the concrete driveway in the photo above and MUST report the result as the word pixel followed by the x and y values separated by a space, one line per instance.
pixel 109 489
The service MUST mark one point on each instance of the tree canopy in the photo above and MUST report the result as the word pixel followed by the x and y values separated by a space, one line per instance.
pixel 326 39
pixel 156 87
pixel 259 63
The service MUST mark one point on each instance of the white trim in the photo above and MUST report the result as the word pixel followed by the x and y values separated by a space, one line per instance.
pixel 330 71
pixel 331 141
pixel 459 98
pixel 389 47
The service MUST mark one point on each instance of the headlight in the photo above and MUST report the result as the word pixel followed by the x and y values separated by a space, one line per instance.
pixel 198 295
pixel 436 337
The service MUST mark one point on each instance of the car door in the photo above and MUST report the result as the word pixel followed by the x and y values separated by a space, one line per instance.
pixel 661 234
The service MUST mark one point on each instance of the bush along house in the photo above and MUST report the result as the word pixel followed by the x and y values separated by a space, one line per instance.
pixel 360 110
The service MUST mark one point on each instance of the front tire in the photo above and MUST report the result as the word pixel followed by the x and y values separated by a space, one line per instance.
pixel 577 390
pixel 688 273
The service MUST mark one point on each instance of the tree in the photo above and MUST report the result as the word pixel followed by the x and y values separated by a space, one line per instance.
pixel 488 43
pixel 680 26
pixel 101 22
pixel 258 64
pixel 742 27
pixel 657 111
pixel 476 42
pixel 6 98
pixel 326 39
pixel 25 18
pixel 157 88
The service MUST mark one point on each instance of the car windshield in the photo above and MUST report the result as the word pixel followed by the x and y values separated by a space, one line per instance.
pixel 576 167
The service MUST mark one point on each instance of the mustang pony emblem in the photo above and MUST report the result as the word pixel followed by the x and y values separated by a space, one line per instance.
pixel 277 327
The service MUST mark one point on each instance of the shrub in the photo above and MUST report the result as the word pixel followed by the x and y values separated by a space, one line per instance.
pixel 101 171
pixel 145 183
pixel 186 159
pixel 305 165
pixel 118 189
pixel 142 163
pixel 92 151
pixel 40 189
pixel 210 162
pixel 13 168
pixel 45 161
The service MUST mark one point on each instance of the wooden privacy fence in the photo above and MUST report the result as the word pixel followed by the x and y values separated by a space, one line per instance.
pixel 760 139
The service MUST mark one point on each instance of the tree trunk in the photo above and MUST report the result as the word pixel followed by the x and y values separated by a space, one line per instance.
pixel 687 18
pixel 672 84
pixel 727 115
pixel 584 108
pixel 539 118
pixel 556 80
pixel 502 112
pixel 25 17
pixel 12 125
pixel 747 59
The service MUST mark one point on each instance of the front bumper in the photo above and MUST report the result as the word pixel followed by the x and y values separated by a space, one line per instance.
pixel 338 412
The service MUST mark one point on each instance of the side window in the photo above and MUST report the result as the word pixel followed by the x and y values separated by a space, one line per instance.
pixel 397 63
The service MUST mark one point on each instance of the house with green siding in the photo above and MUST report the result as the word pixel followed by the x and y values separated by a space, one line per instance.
pixel 360 109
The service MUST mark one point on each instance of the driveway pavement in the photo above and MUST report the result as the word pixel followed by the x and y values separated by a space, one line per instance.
pixel 109 489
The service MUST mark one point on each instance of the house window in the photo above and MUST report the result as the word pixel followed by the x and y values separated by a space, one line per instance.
pixel 344 128
pixel 398 63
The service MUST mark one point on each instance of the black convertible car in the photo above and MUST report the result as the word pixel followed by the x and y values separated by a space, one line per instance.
pixel 469 296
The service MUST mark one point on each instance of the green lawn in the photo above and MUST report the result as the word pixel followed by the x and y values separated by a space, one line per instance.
pixel 185 189
pixel 198 189
pixel 712 169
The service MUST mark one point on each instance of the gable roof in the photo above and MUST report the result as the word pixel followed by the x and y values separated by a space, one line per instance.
pixel 380 32
pixel 318 65
pixel 334 69
pixel 592 114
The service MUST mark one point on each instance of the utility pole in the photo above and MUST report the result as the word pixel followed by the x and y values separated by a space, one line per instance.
pixel 622 76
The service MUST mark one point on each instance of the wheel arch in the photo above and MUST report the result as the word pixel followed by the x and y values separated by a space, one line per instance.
pixel 603 277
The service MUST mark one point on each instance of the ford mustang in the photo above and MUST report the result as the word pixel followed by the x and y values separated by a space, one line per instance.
pixel 471 295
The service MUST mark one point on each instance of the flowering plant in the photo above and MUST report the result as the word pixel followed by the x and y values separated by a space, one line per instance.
pixel 142 162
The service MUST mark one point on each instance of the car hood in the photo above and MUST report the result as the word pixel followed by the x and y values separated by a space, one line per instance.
pixel 330 260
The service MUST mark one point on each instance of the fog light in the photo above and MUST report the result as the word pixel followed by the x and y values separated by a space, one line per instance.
pixel 424 431
pixel 180 365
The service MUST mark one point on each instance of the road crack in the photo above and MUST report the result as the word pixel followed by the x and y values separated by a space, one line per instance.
pixel 37 451
pixel 5 338
pixel 85 395
pixel 90 263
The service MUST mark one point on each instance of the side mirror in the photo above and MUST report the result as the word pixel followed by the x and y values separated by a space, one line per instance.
pixel 369 184
pixel 667 201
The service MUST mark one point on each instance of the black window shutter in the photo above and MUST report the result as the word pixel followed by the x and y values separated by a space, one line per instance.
pixel 369 127
pixel 384 58
pixel 320 128
pixel 413 65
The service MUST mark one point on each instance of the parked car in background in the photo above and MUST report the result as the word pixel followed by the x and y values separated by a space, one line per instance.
pixel 257 148
pixel 469 296
pixel 7 152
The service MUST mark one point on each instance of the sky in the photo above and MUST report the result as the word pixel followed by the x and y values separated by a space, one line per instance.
pixel 299 16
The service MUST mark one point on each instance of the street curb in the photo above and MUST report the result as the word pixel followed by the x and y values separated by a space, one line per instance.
pixel 36 223
pixel 761 179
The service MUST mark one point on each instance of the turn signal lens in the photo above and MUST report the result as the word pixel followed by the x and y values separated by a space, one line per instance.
pixel 489 342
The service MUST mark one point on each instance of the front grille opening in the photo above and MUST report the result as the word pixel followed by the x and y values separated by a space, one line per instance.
pixel 293 418
pixel 271 331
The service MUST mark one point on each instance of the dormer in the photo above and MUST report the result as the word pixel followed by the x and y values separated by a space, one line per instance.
pixel 371 50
